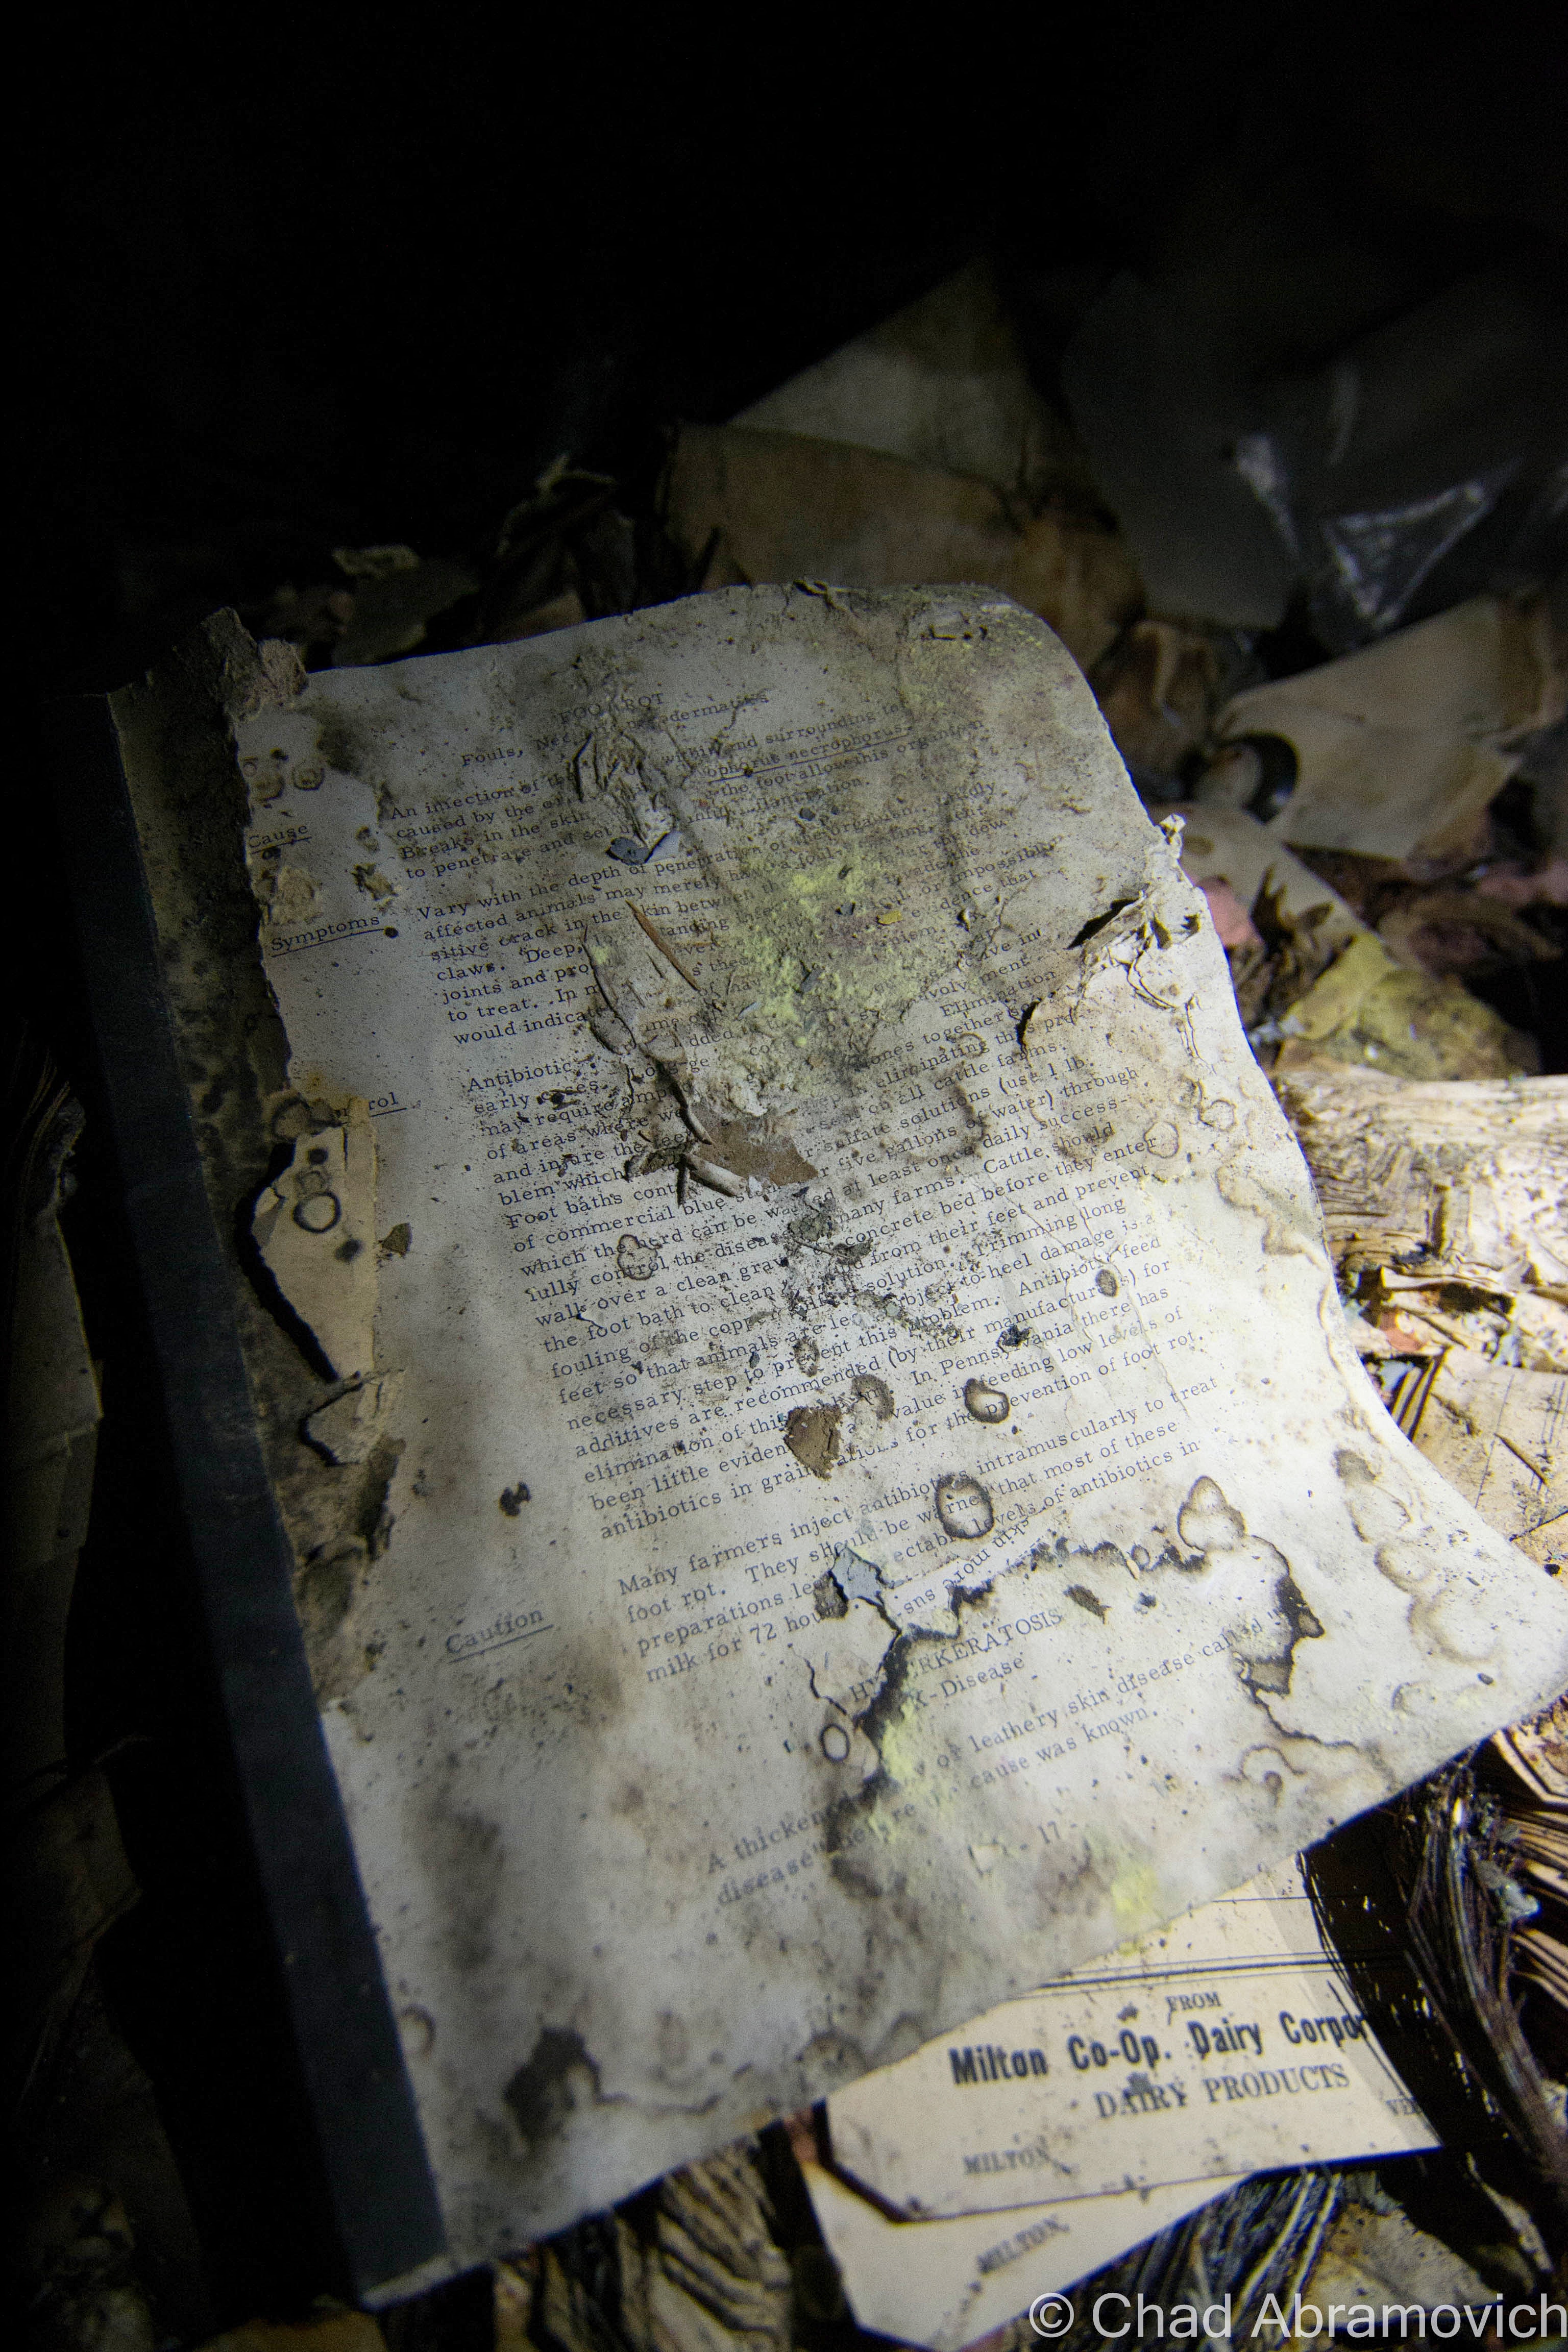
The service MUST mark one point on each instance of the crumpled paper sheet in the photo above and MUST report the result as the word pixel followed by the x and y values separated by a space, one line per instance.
pixel 943 382
pixel 1401 747
pixel 766 506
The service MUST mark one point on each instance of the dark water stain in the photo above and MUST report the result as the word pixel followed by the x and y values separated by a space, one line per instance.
pixel 1271 1670
pixel 470 1869
pixel 1263 1642
pixel 372 1519
pixel 635 1259
pixel 556 2078
pixel 1108 1558
pixel 964 1506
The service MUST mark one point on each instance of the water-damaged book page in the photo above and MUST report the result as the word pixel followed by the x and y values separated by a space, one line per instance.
pixel 873 1503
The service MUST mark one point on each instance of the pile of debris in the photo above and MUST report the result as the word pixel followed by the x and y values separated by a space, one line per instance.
pixel 1372 783
pixel 1373 787
pixel 1256 655
pixel 1376 807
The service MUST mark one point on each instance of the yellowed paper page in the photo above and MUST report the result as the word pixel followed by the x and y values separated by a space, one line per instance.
pixel 878 1505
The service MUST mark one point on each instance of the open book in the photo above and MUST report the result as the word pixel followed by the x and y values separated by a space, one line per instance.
pixel 826 1480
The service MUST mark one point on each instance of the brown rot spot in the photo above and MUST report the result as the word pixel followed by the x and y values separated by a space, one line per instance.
pixel 964 1506
pixel 1106 1281
pixel 635 1258
pixel 418 2029
pixel 396 1243
pixel 811 1433
pixel 1087 1600
pixel 807 1354
pixel 512 1499
pixel 983 1403
pixel 557 2077
pixel 874 1393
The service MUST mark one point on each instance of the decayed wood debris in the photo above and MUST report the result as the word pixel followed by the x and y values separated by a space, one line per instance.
pixel 692 2266
pixel 1533 1771
pixel 1464 1180
pixel 1446 1210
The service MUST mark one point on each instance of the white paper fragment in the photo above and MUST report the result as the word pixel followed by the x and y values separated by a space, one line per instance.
pixel 1149 2082
pixel 315 1228
pixel 1227 2045
pixel 349 1427
pixel 943 2284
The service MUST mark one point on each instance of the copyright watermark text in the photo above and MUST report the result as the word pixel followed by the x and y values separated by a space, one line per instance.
pixel 1115 2316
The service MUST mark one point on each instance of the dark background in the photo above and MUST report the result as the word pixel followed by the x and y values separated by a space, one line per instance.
pixel 338 277
pixel 290 281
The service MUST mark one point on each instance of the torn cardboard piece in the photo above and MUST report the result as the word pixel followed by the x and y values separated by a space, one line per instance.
pixel 1231 846
pixel 1399 749
pixel 757 506
pixel 942 383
